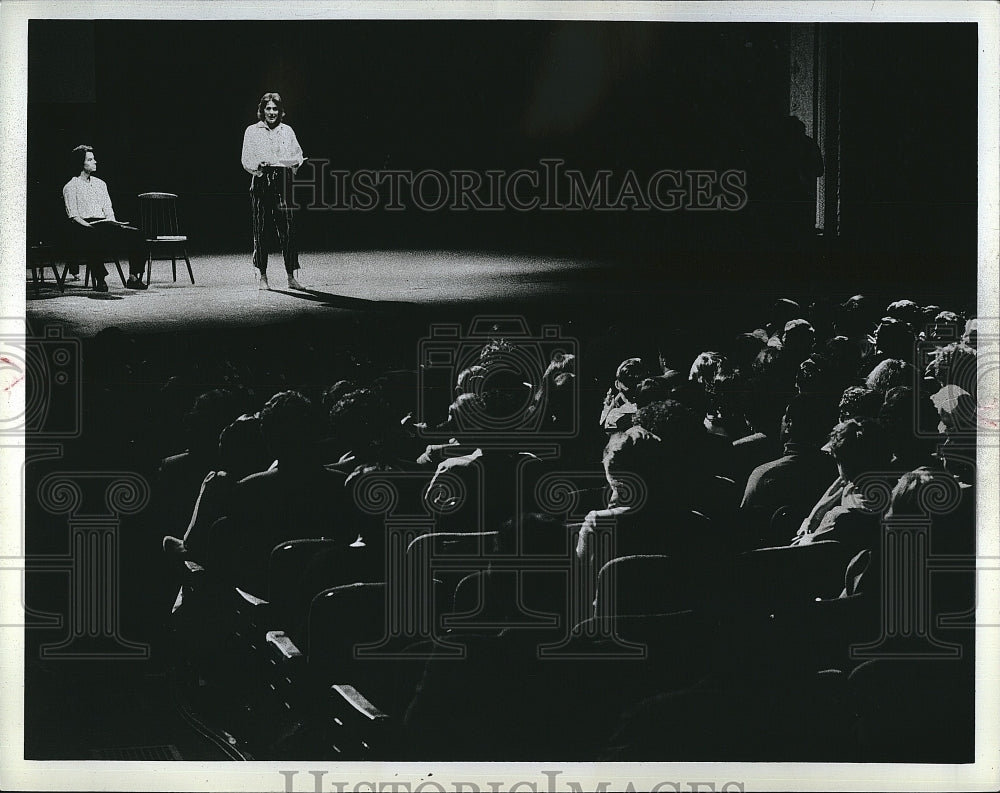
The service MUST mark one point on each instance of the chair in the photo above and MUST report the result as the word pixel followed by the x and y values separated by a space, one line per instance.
pixel 647 584
pixel 438 561
pixel 54 245
pixel 288 592
pixel 771 578
pixel 38 258
pixel 343 618
pixel 158 221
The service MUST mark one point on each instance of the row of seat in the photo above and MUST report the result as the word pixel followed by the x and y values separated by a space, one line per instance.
pixel 374 638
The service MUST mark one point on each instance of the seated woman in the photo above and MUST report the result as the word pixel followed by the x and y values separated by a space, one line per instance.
pixel 658 484
pixel 94 229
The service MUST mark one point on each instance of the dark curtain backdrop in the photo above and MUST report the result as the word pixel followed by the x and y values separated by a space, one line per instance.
pixel 165 105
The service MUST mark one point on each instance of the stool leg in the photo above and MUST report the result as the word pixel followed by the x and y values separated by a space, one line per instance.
pixel 173 264
pixel 190 271
pixel 121 275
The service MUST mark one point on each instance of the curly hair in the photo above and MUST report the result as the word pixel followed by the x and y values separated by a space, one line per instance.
pixel 860 445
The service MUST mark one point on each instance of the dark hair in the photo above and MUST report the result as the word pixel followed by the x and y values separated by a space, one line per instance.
pixel 894 337
pixel 860 445
pixel 707 364
pixel 809 418
pixel 79 156
pixel 947 327
pixel 470 379
pixel 799 331
pixel 288 424
pixel 241 448
pixel 729 394
pixel 211 413
pixel 742 351
pixel 333 394
pixel 922 491
pixel 631 372
pixel 271 96
pixel 650 390
pixel 783 310
pixel 890 373
pixel 955 364
pixel 859 402
pixel 636 451
pixel 911 422
pixel 906 311
pixel 360 417
pixel 856 316
pixel 674 424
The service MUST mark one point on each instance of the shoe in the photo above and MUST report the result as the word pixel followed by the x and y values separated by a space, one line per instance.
pixel 293 284
pixel 264 286
pixel 101 286
pixel 135 283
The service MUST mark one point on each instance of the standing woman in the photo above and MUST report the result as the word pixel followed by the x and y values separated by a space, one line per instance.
pixel 272 155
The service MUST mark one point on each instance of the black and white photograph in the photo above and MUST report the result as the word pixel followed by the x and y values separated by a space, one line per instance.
pixel 522 396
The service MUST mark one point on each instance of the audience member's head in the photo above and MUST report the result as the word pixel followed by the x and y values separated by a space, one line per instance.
pixel 856 317
pixel 706 365
pixel 241 448
pixel 844 357
pixel 398 390
pixel 652 389
pixel 783 310
pixel 744 351
pixel 556 393
pixel 910 420
pixel 333 394
pixel 289 425
pixel 822 316
pixel 361 421
pixel 858 402
pixel 955 364
pixel 467 412
pixel 674 424
pixel 947 327
pixel 859 446
pixel 470 380
pixel 894 338
pixel 211 413
pixel 923 492
pixel 889 374
pixel 971 333
pixel 629 374
pixel 728 398
pixel 906 311
pixel 816 376
pixel 808 420
pixel 797 339
pixel 633 463
pixel 494 351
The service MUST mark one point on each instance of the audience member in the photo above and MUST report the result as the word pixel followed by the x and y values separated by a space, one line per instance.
pixel 846 512
pixel 796 480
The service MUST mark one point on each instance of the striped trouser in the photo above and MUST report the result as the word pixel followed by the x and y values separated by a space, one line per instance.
pixel 267 200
